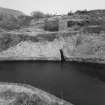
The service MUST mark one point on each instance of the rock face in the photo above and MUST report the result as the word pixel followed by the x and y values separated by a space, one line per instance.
pixel 86 48
pixel 19 94
pixel 83 47
pixel 28 50
pixel 78 36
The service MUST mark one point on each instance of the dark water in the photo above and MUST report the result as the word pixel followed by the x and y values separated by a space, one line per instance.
pixel 79 83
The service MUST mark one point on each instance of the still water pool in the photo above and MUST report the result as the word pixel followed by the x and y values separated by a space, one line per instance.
pixel 79 83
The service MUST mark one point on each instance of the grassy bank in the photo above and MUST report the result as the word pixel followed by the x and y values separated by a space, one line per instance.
pixel 22 94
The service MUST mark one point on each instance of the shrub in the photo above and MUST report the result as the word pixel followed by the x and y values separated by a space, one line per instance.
pixel 8 40
pixel 97 29
pixel 81 11
pixel 24 20
pixel 37 15
pixel 52 25
pixel 9 23
pixel 70 13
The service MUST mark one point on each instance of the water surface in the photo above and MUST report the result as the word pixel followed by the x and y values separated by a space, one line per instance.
pixel 79 83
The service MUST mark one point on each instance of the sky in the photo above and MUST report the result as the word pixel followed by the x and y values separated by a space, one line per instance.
pixel 52 6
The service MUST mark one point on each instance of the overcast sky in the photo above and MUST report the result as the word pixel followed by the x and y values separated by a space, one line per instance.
pixel 52 6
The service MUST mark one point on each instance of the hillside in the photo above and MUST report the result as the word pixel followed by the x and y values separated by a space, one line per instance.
pixel 80 36
pixel 88 21
pixel 6 11
pixel 11 19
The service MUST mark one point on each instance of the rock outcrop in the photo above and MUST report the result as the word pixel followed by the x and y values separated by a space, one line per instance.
pixel 28 50
pixel 85 48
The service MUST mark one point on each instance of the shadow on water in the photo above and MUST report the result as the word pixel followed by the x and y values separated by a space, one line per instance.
pixel 62 56
pixel 79 83
pixel 92 69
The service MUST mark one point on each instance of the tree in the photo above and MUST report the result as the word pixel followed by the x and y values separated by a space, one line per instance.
pixel 70 13
pixel 37 14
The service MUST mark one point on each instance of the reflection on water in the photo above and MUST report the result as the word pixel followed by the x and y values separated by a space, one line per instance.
pixel 79 83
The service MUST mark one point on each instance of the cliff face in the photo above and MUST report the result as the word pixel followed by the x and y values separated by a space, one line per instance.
pixel 33 51
pixel 85 47
pixel 74 46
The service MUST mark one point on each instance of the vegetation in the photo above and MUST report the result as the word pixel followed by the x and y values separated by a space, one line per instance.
pixel 97 29
pixel 8 40
pixel 11 22
pixel 9 19
pixel 81 11
pixel 51 25
pixel 70 13
pixel 24 99
pixel 24 21
pixel 39 15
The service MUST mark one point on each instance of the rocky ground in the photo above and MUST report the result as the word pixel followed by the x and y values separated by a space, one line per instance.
pixel 19 94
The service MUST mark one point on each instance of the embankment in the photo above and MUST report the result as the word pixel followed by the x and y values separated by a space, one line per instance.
pixel 82 47
pixel 22 94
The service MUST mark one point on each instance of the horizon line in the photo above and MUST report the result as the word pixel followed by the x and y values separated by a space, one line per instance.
pixel 73 11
